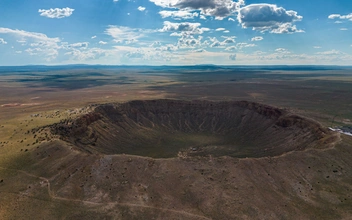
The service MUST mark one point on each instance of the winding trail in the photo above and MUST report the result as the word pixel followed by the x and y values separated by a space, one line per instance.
pixel 53 196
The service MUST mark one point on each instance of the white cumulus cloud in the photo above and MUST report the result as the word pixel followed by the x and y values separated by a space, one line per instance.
pixel 268 17
pixel 177 15
pixel 189 41
pixel 56 12
pixel 342 17
pixel 282 50
pixel 183 28
pixel 2 41
pixel 216 8
pixel 258 38
pixel 214 42
pixel 231 48
pixel 140 8
pixel 220 29
pixel 229 40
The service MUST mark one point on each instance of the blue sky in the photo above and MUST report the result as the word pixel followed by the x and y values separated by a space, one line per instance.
pixel 175 32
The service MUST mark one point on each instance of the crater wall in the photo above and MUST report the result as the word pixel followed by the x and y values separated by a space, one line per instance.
pixel 168 128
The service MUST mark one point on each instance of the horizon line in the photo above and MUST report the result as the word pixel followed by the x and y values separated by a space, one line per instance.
pixel 191 65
